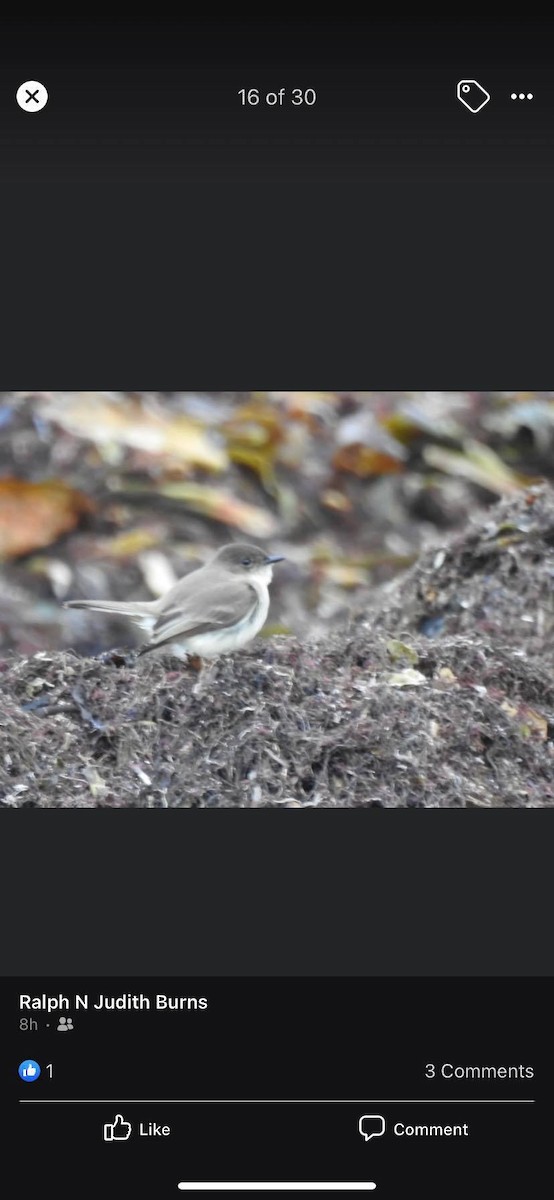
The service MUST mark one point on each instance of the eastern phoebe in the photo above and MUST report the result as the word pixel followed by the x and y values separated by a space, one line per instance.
pixel 214 610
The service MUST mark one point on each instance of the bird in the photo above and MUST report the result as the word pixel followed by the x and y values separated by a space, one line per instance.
pixel 213 610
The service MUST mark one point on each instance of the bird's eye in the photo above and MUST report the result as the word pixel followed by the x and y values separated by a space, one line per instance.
pixel 246 562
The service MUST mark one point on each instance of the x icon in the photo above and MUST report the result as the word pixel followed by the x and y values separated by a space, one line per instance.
pixel 31 96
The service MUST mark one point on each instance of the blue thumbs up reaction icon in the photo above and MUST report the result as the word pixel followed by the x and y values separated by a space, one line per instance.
pixel 28 1070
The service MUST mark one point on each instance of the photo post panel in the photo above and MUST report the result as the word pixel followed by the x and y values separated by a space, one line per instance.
pixel 213 597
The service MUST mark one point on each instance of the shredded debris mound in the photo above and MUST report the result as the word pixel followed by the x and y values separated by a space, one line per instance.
pixel 497 579
pixel 442 697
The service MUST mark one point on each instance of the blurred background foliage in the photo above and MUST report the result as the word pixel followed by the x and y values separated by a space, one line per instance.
pixel 113 494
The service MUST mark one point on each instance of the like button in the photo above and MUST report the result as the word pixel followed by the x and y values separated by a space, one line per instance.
pixel 119 1131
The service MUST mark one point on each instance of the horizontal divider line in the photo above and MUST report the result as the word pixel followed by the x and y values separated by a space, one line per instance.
pixel 360 1103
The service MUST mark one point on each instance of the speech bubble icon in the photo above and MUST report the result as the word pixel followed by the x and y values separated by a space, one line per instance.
pixel 371 1126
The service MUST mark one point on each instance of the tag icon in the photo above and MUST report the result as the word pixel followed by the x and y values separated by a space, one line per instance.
pixel 470 93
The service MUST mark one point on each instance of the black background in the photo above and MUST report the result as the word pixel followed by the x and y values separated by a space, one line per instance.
pixel 158 235
pixel 365 892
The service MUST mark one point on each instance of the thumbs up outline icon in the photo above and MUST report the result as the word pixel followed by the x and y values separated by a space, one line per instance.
pixel 118 1131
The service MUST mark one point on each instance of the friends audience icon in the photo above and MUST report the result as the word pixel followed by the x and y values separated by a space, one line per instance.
pixel 64 1024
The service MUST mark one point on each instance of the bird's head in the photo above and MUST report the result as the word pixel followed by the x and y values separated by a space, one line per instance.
pixel 239 558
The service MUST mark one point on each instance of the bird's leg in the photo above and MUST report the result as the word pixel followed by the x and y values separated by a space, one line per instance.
pixel 194 661
pixel 116 658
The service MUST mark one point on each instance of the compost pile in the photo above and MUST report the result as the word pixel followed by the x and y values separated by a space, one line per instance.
pixel 440 694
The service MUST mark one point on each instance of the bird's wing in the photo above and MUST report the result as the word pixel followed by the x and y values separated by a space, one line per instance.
pixel 211 607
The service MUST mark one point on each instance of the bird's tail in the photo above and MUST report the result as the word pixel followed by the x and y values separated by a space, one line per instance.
pixel 133 608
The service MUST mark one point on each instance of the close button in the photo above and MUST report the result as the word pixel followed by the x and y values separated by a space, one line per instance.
pixel 31 96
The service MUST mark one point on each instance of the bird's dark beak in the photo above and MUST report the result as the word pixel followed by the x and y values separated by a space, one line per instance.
pixel 273 558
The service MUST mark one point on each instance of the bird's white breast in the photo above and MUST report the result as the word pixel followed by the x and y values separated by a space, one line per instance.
pixel 224 641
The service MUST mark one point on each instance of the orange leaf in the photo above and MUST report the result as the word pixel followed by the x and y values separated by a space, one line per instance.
pixel 363 461
pixel 33 515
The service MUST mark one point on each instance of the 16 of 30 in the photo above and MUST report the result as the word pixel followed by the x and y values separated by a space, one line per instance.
pixel 296 96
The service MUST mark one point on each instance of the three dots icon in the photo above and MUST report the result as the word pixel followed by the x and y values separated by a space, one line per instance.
pixel 522 96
